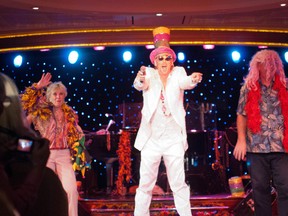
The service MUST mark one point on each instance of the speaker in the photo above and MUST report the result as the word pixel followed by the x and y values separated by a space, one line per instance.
pixel 199 180
pixel 246 206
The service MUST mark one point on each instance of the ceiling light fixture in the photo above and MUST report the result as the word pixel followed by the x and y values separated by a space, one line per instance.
pixel 208 46
pixel 262 47
pixel 150 46
pixel 97 48
pixel 44 50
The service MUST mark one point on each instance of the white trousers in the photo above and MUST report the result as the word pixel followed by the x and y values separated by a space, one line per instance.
pixel 173 157
pixel 59 161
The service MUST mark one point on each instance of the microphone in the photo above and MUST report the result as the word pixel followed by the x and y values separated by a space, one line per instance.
pixel 108 115
pixel 109 125
pixel 143 73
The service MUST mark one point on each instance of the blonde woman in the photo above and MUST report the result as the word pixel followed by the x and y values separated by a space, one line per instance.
pixel 57 122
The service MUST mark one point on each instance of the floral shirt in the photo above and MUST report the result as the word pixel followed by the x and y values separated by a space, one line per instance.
pixel 270 137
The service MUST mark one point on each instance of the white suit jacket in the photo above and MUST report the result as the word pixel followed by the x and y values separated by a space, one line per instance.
pixel 177 82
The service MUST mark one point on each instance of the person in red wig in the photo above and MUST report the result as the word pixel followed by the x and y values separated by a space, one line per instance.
pixel 162 132
pixel 262 125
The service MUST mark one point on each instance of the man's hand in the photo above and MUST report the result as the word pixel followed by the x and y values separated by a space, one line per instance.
pixel 196 77
pixel 240 151
pixel 141 74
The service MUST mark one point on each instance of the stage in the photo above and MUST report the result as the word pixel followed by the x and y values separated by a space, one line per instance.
pixel 163 205
pixel 220 204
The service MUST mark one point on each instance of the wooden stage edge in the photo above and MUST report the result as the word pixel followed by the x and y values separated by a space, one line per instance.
pixel 216 205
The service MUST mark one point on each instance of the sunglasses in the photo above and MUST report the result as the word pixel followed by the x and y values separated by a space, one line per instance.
pixel 168 58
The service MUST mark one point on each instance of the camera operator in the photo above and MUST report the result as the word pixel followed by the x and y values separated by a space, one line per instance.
pixel 23 158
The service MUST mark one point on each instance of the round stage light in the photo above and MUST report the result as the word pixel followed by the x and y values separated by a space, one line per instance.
pixel 181 56
pixel 236 56
pixel 18 61
pixel 73 57
pixel 286 56
pixel 127 56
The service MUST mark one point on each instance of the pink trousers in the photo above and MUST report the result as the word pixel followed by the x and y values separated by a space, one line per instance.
pixel 59 161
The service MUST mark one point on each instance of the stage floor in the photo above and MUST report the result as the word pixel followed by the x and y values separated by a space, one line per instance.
pixel 217 204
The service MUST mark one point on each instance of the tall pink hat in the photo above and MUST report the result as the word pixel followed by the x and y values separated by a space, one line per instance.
pixel 161 42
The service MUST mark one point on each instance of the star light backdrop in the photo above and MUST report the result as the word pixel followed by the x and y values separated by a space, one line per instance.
pixel 100 81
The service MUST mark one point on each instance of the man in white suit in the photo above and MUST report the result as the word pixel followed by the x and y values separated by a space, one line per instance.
pixel 162 132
